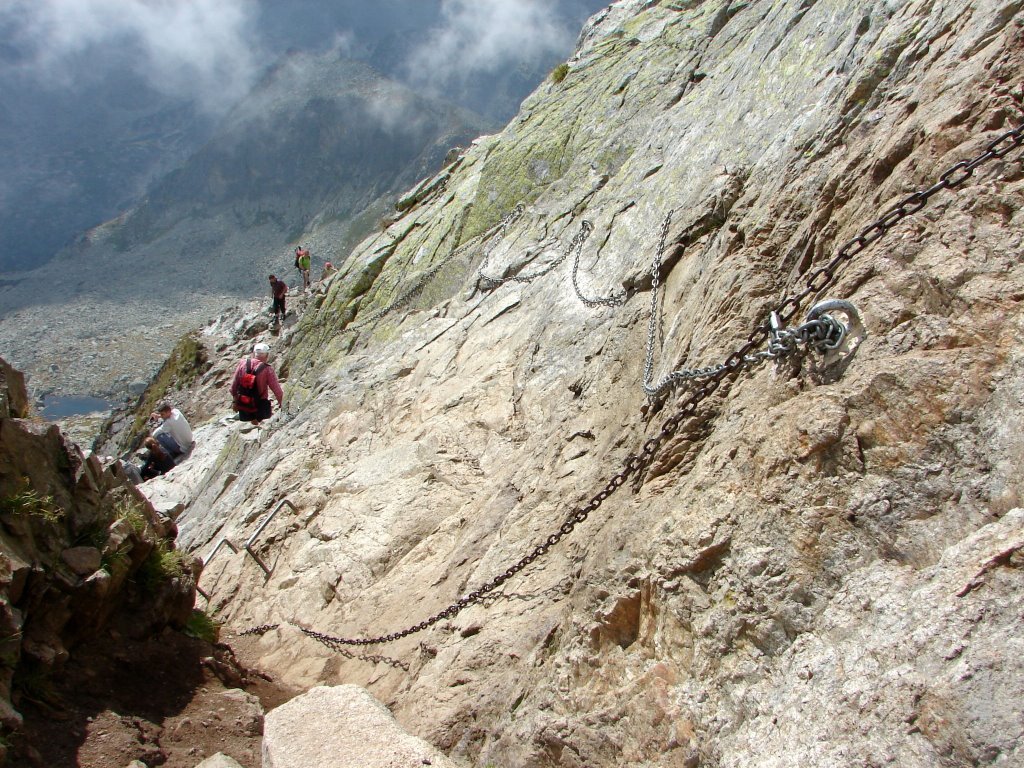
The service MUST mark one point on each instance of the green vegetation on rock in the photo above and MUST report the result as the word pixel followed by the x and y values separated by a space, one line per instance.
pixel 131 510
pixel 202 627
pixel 27 501
pixel 187 360
pixel 162 565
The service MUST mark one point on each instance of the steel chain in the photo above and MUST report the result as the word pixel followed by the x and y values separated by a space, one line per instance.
pixel 616 300
pixel 420 283
pixel 574 247
pixel 493 235
pixel 821 334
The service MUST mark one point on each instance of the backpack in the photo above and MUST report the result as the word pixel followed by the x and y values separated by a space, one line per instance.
pixel 296 259
pixel 247 399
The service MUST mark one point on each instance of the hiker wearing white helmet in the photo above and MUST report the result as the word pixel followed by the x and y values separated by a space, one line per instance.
pixel 254 379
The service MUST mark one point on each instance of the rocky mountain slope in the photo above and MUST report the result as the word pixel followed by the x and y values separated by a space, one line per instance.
pixel 813 561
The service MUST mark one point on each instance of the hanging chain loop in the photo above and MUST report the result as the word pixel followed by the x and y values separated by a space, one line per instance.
pixel 574 247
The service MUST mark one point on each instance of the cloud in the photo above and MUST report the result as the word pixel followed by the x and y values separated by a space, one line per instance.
pixel 190 48
pixel 479 36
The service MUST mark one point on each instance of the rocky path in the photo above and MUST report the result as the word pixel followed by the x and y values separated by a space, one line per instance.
pixel 171 701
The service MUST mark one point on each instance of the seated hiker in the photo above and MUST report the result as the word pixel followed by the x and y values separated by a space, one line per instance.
pixel 158 461
pixel 254 379
pixel 328 270
pixel 174 432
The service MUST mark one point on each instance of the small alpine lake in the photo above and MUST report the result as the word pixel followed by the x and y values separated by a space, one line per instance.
pixel 63 406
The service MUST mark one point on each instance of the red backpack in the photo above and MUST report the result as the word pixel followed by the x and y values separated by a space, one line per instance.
pixel 248 395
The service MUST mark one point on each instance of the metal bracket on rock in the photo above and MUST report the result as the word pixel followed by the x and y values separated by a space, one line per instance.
pixel 850 336
pixel 225 541
pixel 820 332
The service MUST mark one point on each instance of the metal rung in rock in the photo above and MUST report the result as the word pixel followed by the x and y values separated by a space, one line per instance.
pixel 248 546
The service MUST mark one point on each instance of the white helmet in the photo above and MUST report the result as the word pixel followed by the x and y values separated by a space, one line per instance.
pixel 261 349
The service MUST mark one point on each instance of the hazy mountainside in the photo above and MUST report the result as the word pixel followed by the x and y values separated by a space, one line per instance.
pixel 115 136
pixel 319 150
pixel 811 562
pixel 88 119
pixel 318 141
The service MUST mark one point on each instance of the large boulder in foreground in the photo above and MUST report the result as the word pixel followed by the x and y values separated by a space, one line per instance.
pixel 342 727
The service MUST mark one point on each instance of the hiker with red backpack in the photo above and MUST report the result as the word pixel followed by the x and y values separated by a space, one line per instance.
pixel 253 381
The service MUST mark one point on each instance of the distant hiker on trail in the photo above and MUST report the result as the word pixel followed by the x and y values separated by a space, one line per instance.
pixel 174 432
pixel 279 291
pixel 157 462
pixel 302 263
pixel 254 378
pixel 327 271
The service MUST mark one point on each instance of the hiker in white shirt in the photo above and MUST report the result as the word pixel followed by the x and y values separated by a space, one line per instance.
pixel 174 425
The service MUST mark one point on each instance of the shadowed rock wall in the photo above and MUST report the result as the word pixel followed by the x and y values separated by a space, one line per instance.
pixel 81 552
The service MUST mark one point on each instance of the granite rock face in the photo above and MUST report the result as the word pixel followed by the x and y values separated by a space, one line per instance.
pixel 817 563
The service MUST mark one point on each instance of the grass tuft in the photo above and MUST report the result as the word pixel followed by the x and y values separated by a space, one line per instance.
pixel 202 627
pixel 27 501
pixel 162 565
pixel 131 510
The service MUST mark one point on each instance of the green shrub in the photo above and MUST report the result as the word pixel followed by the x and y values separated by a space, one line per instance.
pixel 558 73
pixel 27 501
pixel 162 565
pixel 116 561
pixel 131 510
pixel 202 627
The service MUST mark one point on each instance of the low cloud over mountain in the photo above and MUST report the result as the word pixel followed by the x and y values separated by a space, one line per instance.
pixel 201 50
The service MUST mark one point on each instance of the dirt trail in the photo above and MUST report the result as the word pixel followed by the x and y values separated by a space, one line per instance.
pixel 168 701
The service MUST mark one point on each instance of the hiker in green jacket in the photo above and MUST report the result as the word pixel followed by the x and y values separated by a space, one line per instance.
pixel 302 261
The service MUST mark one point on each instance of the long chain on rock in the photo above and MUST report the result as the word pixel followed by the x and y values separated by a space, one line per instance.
pixel 415 289
pixel 493 235
pixel 616 300
pixel 513 215
pixel 819 334
pixel 574 247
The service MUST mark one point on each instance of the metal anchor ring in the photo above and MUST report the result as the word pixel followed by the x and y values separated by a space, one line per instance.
pixel 854 324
